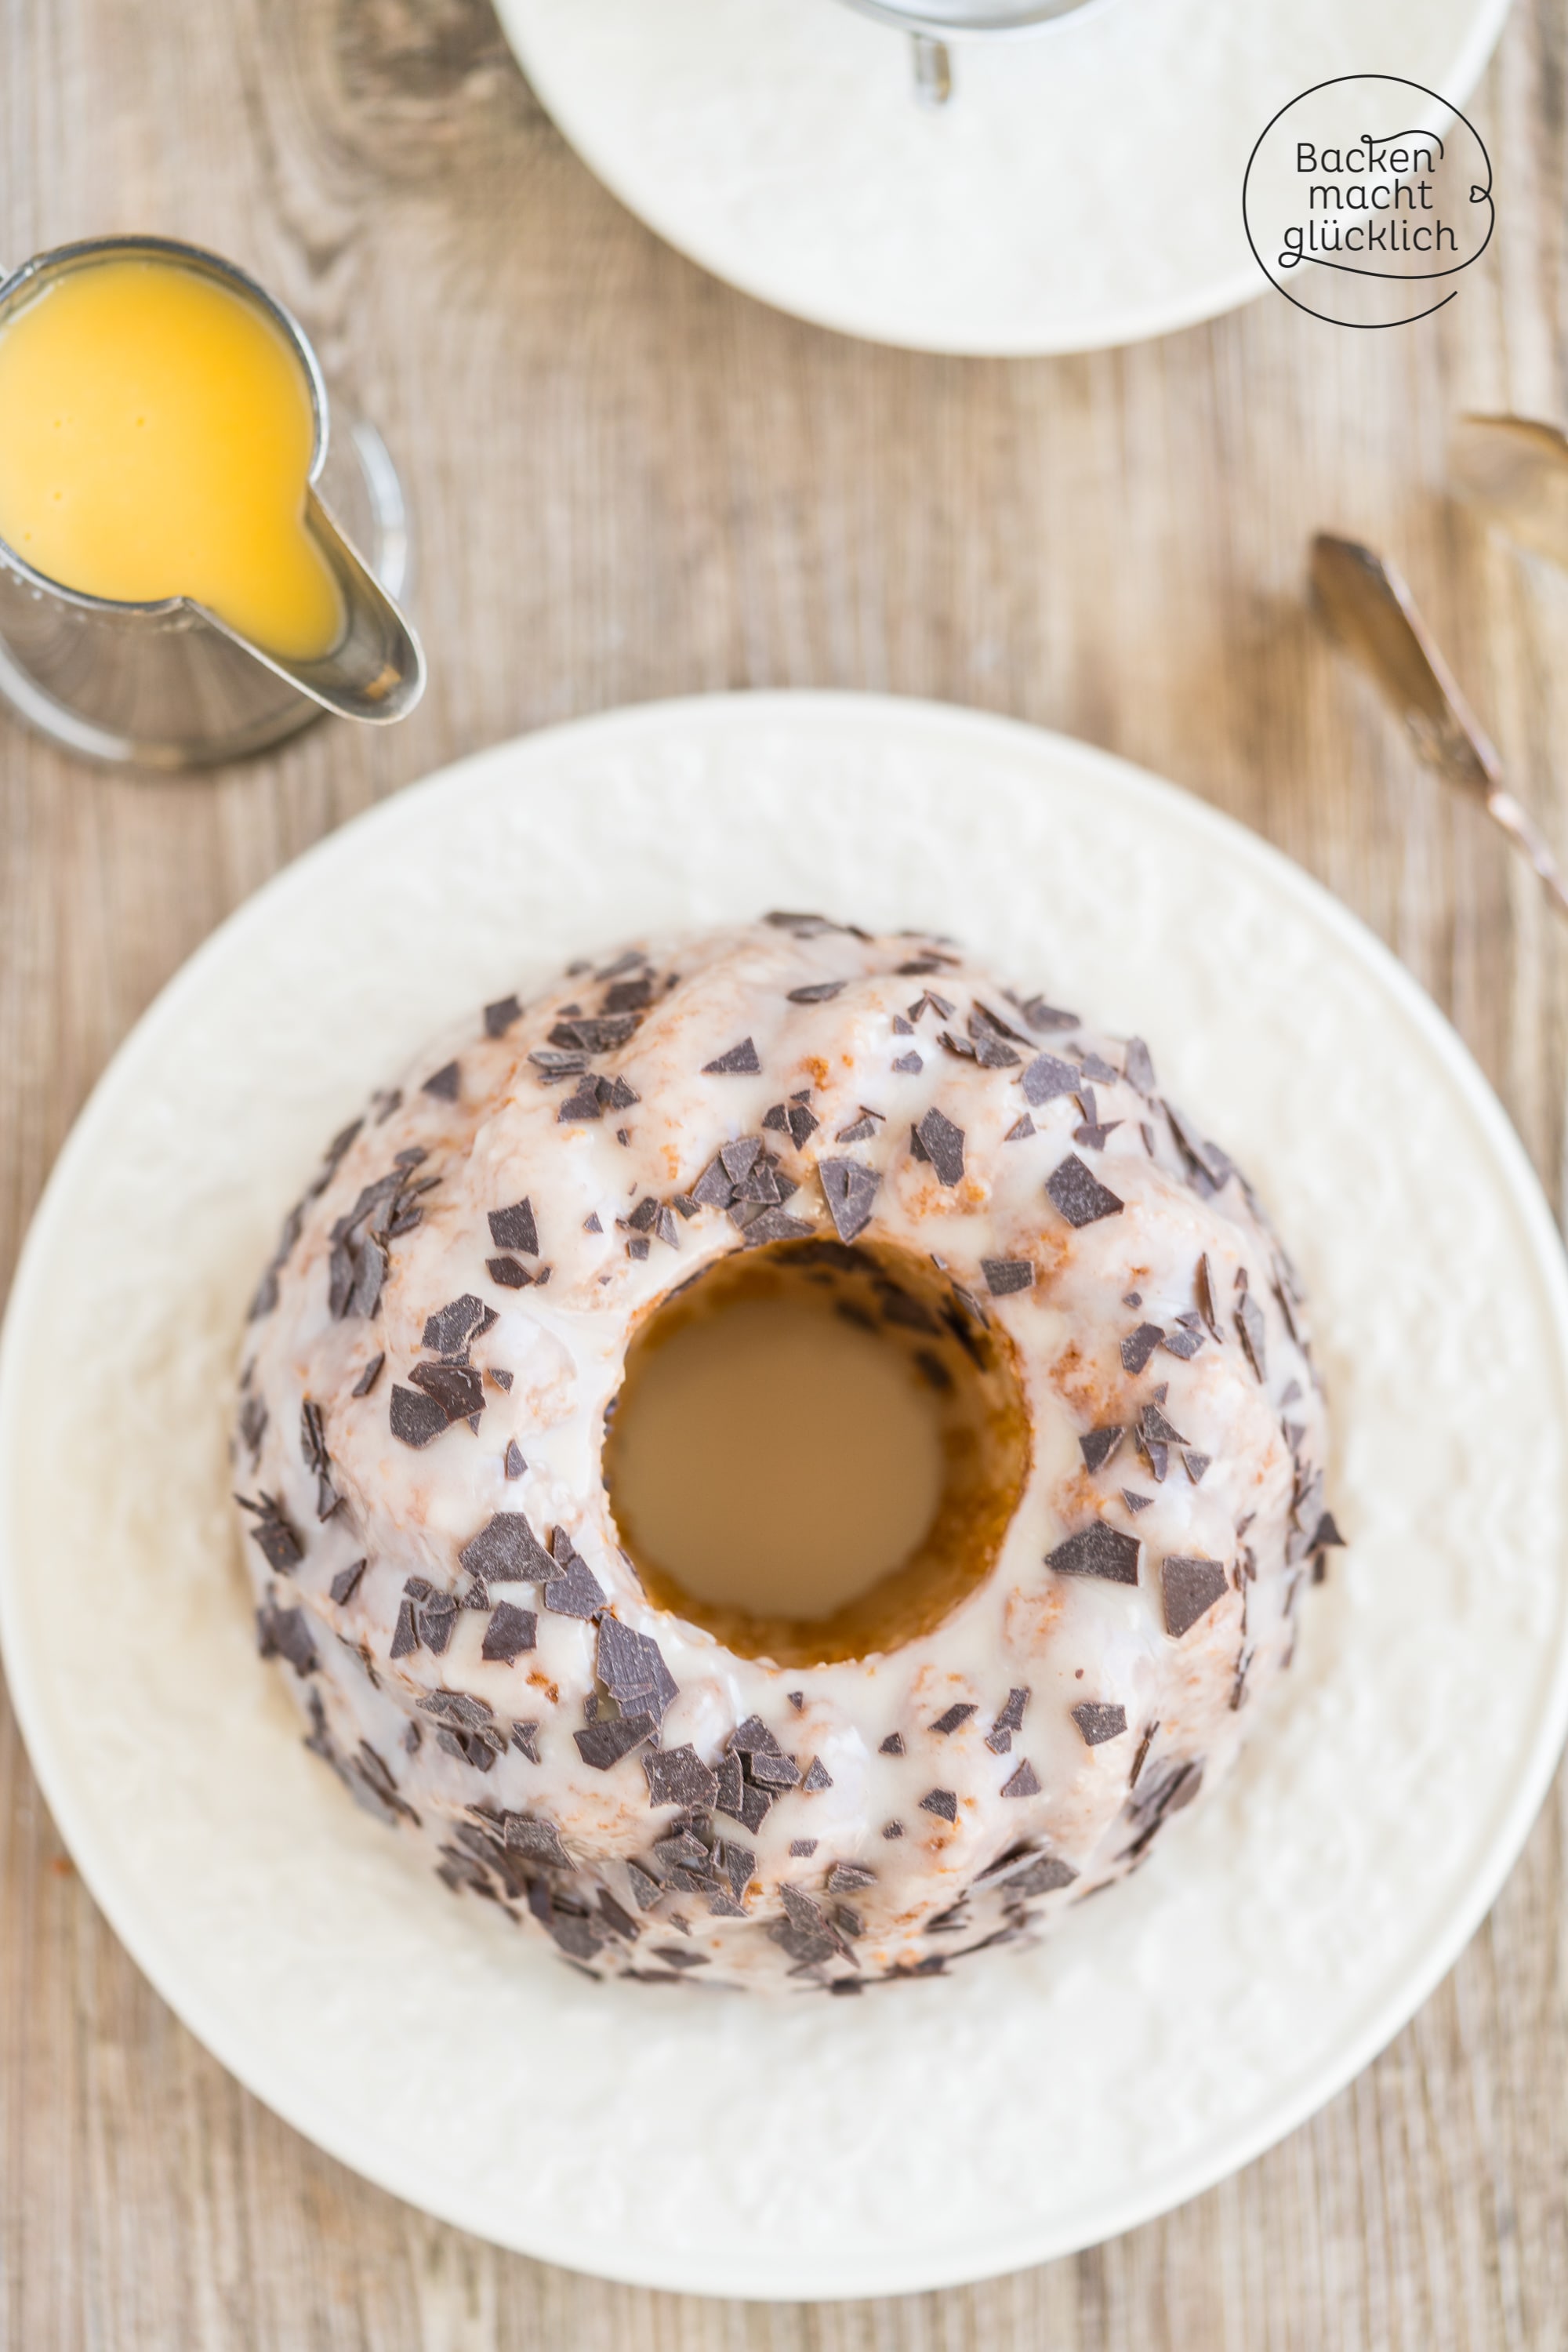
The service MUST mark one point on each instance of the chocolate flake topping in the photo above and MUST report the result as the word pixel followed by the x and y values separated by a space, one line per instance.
pixel 1043 1016
pixel 817 1776
pixel 345 1584
pixel 893 1744
pixel 525 1739
pixel 1005 1275
pixel 1047 1076
pixel 943 1803
pixel 631 1667
pixel 1082 1199
pixel 741 1061
pixel 602 1744
pixel 1134 1501
pixel 910 1065
pixel 426 1615
pixel 776 1225
pixel 1098 1446
pixel 514 1228
pixel 677 1776
pixel 572 1589
pixel 509 1272
pixel 1195 1465
pixel 1140 1066
pixel 598 1035
pixel 1139 1345
pixel 960 1712
pixel 1025 1782
pixel 458 1388
pixel 1190 1586
pixel 1326 1535
pixel 1207 1298
pixel 999 1739
pixel 849 1189
pixel 368 1378
pixel 1022 1126
pixel 273 1535
pixel 443 1083
pixel 1249 1323
pixel 942 1144
pixel 509 1632
pixel 845 1878
pixel 449 1329
pixel 1099 1723
pixel 286 1633
pixel 1098 1549
pixel 506 1552
pixel 818 992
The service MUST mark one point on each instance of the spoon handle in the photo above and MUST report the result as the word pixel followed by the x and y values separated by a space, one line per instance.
pixel 1526 835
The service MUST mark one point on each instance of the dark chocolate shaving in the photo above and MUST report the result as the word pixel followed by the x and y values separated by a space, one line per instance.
pixel 368 1378
pixel 602 1745
pixel 1099 1723
pixel 1043 1016
pixel 1140 1066
pixel 1250 1324
pixel 818 991
pixel 1025 1781
pixel 574 1590
pixel 1047 1076
pixel 942 1144
pixel 499 1016
pixel 272 1534
pixel 1139 1345
pixel 849 1189
pixel 893 1744
pixel 959 1712
pixel 943 1803
pixel 458 1388
pixel 443 1083
pixel 286 1633
pixel 999 1739
pixel 1082 1198
pixel 631 1667
pixel 1098 1549
pixel 1190 1586
pixel 677 1776
pixel 451 1328
pixel 817 1776
pixel 509 1632
pixel 514 1228
pixel 346 1582
pixel 741 1061
pixel 506 1552
pixel 1098 1446
pixel 1005 1275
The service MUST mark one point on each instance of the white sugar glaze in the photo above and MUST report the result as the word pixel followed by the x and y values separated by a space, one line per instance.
pixel 535 1823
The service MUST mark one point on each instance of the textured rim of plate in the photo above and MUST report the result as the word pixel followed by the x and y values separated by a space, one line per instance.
pixel 1116 328
pixel 152 1942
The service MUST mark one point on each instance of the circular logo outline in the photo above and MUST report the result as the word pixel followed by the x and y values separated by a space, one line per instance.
pixel 1371 326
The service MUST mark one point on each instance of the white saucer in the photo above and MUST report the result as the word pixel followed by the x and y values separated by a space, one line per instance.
pixel 930 2132
pixel 1083 187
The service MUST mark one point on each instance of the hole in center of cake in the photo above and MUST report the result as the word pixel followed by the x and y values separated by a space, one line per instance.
pixel 816 1450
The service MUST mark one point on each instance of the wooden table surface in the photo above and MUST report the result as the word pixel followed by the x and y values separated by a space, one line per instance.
pixel 631 482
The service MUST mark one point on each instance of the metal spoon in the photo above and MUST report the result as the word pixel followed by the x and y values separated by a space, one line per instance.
pixel 1515 470
pixel 1373 614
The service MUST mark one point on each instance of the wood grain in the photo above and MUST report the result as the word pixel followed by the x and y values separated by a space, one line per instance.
pixel 631 482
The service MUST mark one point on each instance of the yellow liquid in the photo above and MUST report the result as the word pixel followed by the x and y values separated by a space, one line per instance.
pixel 155 440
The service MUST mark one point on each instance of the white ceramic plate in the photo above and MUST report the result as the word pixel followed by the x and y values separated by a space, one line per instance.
pixel 931 2132
pixel 1083 188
